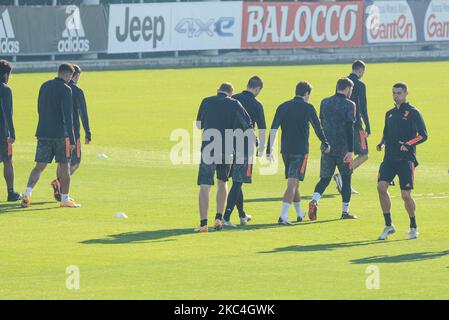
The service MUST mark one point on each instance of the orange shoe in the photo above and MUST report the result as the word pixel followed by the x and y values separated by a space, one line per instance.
pixel 313 209
pixel 69 204
pixel 218 225
pixel 56 190
pixel 201 229
pixel 26 201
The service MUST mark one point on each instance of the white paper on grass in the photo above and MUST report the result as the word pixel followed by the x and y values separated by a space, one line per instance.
pixel 121 215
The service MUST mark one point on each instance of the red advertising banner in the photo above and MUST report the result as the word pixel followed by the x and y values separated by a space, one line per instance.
pixel 279 25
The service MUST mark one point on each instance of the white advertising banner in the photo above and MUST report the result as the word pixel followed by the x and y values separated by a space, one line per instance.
pixel 174 27
pixel 207 25
pixel 436 22
pixel 390 21
pixel 139 28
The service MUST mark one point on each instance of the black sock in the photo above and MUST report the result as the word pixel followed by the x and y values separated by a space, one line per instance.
pixel 239 205
pixel 218 216
pixel 346 188
pixel 233 196
pixel 413 222
pixel 227 215
pixel 10 190
pixel 387 217
pixel 203 222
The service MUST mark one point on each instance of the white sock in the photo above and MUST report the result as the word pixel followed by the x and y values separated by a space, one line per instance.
pixel 298 208
pixel 64 197
pixel 345 207
pixel 284 212
pixel 28 191
pixel 316 197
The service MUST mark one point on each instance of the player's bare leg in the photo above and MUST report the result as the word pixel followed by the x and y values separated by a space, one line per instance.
pixel 410 206
pixel 32 180
pixel 297 204
pixel 203 202
pixel 359 160
pixel 385 203
pixel 64 178
pixel 222 194
pixel 73 168
pixel 289 195
pixel 384 196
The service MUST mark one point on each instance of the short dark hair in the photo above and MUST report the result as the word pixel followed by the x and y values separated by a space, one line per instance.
pixel 255 82
pixel 226 87
pixel 344 83
pixel 5 68
pixel 66 67
pixel 401 85
pixel 77 68
pixel 358 64
pixel 303 88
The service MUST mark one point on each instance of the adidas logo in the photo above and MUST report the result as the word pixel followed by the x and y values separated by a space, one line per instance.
pixel 73 36
pixel 7 46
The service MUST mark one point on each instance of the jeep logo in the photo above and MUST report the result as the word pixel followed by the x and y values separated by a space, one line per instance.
pixel 149 29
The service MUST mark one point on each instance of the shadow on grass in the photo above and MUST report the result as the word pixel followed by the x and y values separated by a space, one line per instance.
pixel 143 236
pixel 409 257
pixel 327 246
pixel 15 207
pixel 280 198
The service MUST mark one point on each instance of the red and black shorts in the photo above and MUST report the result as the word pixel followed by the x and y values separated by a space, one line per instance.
pixel 404 169
pixel 5 150
pixel 76 153
pixel 295 166
pixel 242 171
pixel 49 149
pixel 360 143
pixel 330 162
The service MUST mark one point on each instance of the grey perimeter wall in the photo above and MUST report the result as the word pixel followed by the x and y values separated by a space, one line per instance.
pixel 394 53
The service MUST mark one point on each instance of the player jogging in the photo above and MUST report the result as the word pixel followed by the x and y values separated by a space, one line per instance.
pixel 337 114
pixel 55 138
pixel 241 171
pixel 360 134
pixel 7 133
pixel 404 130
pixel 216 115
pixel 79 111
pixel 294 118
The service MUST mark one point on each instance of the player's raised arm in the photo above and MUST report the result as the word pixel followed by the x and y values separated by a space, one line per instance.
pixel 242 119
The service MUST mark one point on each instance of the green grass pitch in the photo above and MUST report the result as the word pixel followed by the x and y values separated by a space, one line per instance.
pixel 154 254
